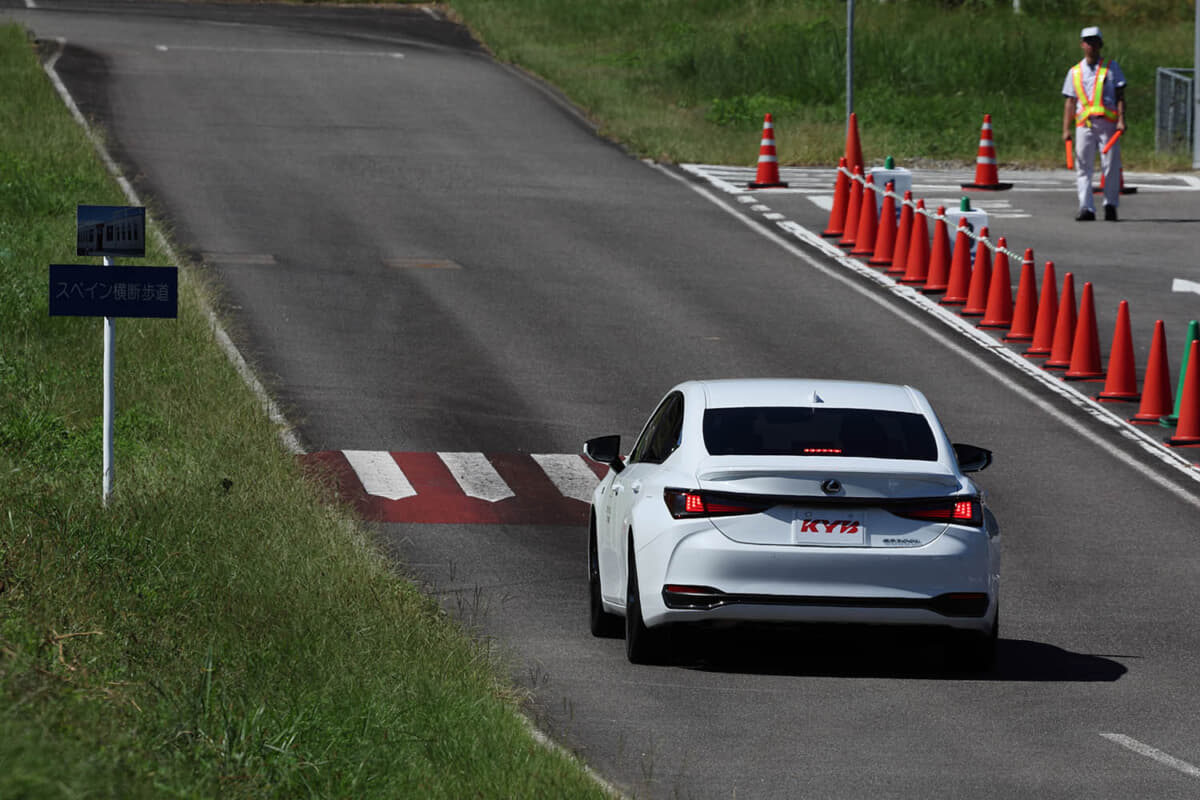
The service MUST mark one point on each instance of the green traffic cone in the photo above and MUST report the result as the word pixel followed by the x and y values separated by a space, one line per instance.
pixel 1193 333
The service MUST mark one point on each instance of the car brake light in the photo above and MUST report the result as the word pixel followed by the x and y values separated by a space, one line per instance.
pixel 960 512
pixel 684 503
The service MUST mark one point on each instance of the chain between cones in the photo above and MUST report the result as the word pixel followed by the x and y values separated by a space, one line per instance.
pixel 933 215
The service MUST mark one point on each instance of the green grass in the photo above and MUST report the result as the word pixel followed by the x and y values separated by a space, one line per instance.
pixel 690 80
pixel 220 630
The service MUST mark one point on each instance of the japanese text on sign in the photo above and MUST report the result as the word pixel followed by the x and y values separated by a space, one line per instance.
pixel 88 291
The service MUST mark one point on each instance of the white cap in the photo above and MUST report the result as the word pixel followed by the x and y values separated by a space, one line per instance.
pixel 1089 33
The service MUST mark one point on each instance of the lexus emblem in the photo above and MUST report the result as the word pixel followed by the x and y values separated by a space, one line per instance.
pixel 831 486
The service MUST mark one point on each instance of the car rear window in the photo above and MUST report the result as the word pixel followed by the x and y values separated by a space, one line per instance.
pixel 849 432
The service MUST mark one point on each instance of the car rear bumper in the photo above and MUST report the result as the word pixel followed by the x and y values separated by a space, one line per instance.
pixel 952 581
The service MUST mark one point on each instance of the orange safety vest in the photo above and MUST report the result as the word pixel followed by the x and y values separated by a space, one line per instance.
pixel 1088 107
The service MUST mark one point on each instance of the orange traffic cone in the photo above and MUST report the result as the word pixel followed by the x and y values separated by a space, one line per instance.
pixel 981 275
pixel 939 258
pixel 1187 434
pixel 918 248
pixel 987 175
pixel 1120 384
pixel 1156 388
pixel 854 156
pixel 1047 314
pixel 868 222
pixel 768 163
pixel 852 210
pixel 1064 327
pixel 837 214
pixel 885 235
pixel 1025 315
pixel 1085 349
pixel 998 313
pixel 903 236
pixel 960 267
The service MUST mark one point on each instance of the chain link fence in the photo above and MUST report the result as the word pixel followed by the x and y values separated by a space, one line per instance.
pixel 1173 109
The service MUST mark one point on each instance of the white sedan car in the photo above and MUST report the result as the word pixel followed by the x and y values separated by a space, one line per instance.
pixel 791 500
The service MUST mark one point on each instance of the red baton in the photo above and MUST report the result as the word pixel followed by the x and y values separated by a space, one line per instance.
pixel 1111 142
pixel 1070 154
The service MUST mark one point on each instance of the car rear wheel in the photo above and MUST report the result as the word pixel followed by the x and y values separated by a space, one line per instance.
pixel 642 645
pixel 603 624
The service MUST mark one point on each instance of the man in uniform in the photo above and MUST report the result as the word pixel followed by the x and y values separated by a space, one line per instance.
pixel 1095 108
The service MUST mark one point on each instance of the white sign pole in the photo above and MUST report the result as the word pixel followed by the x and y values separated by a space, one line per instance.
pixel 849 61
pixel 1196 91
pixel 109 342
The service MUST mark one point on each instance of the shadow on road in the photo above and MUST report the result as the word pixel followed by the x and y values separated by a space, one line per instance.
pixel 877 653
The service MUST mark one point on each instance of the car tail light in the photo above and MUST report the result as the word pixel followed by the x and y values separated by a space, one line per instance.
pixel 959 511
pixel 684 503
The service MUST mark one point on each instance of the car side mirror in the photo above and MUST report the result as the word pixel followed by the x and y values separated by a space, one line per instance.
pixel 606 450
pixel 972 458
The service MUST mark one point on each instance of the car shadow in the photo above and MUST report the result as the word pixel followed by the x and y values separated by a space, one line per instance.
pixel 877 653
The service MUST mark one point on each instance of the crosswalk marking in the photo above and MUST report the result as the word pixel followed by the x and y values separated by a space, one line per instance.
pixel 477 477
pixel 569 474
pixel 459 487
pixel 380 474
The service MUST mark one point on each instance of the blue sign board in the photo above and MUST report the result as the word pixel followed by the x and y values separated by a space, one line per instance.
pixel 118 231
pixel 84 290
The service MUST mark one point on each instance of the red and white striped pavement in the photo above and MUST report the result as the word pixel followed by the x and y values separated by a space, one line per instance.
pixel 518 488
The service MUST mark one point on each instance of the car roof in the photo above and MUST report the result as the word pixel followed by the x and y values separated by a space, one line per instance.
pixel 762 392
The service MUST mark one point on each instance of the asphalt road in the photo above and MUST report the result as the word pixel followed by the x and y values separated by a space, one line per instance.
pixel 422 251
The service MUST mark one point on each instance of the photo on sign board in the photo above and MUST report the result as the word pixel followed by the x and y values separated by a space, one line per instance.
pixel 118 231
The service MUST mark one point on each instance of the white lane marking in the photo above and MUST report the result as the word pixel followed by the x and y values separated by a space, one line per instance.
pixel 379 474
pixel 30 4
pixel 569 473
pixel 163 48
pixel 476 476
pixel 1146 750
pixel 980 338
pixel 1180 285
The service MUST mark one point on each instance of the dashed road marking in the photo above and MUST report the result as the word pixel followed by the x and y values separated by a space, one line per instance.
pixel 1146 750
pixel 286 51
pixel 1180 285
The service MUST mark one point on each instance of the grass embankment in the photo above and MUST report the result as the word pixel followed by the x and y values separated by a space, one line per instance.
pixel 218 631
pixel 690 80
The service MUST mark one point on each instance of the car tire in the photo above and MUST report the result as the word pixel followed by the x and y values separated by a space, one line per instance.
pixel 972 651
pixel 603 624
pixel 642 645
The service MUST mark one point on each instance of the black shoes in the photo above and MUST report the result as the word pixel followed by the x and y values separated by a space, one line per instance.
pixel 1088 216
pixel 1110 213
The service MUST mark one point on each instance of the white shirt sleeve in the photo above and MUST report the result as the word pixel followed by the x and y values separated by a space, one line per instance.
pixel 1068 89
